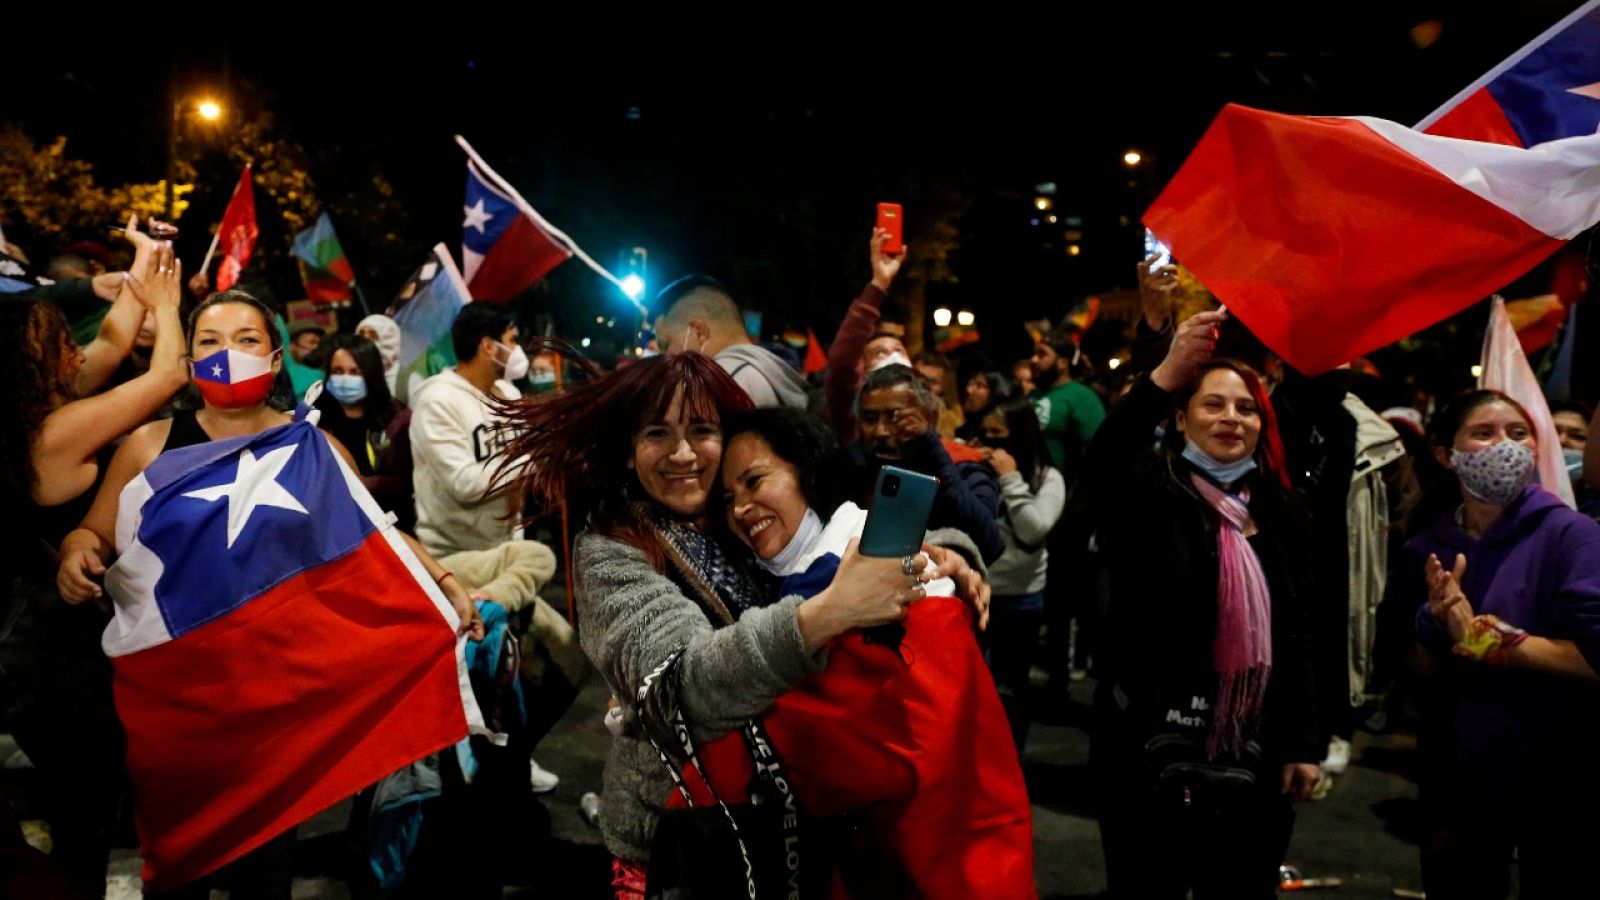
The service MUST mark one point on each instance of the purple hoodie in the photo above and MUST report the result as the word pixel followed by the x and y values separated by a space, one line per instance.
pixel 1538 568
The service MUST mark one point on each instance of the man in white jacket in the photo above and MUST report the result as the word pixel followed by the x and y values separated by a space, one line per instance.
pixel 457 446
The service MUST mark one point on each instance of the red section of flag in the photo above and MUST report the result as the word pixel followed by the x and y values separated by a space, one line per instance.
pixel 237 233
pixel 253 723
pixel 816 360
pixel 523 255
pixel 1477 118
pixel 1329 241
pixel 915 748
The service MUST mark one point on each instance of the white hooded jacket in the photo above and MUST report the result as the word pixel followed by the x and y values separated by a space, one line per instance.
pixel 456 448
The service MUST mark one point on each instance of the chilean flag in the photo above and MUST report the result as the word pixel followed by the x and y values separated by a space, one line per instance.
pixel 222 375
pixel 1330 237
pixel 504 246
pixel 277 646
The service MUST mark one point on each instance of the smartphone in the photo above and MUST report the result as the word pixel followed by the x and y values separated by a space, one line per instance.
pixel 1156 254
pixel 901 503
pixel 889 220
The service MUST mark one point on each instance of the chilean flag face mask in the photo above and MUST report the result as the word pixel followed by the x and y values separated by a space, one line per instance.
pixel 233 379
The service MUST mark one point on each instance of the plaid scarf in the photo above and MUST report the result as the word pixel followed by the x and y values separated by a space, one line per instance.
pixel 724 585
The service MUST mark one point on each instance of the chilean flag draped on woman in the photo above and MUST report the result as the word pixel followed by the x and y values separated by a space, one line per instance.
pixel 277 646
pixel 1330 237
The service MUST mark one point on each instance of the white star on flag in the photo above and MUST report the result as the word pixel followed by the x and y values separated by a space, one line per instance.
pixel 216 371
pixel 254 485
pixel 477 217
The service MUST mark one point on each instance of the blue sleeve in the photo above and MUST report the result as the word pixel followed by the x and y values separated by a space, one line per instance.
pixel 969 498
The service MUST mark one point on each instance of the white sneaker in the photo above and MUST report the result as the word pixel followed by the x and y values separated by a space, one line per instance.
pixel 543 781
pixel 1338 757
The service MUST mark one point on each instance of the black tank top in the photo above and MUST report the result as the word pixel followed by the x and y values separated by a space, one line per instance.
pixel 186 431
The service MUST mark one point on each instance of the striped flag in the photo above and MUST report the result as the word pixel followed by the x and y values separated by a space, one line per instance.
pixel 277 646
pixel 324 269
pixel 1506 369
pixel 425 309
pixel 1330 237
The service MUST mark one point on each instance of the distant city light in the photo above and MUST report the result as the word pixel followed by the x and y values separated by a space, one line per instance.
pixel 1132 158
pixel 1114 362
pixel 599 319
pixel 1041 203
pixel 1074 250
pixel 965 318
pixel 941 317
pixel 633 286
pixel 1477 371
pixel 584 342
pixel 209 110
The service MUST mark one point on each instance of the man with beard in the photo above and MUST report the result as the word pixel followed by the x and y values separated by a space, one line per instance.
pixel 896 412
pixel 1069 412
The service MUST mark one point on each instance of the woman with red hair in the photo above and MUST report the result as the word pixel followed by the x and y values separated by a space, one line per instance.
pixel 663 599
pixel 1204 722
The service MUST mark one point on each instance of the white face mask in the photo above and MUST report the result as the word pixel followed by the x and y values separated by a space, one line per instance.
pixel 787 562
pixel 516 364
pixel 894 359
pixel 685 348
pixel 1497 473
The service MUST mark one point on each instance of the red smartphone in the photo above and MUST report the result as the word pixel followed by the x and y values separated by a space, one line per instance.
pixel 889 220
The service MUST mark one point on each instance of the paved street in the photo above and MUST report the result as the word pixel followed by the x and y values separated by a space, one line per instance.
pixel 1360 833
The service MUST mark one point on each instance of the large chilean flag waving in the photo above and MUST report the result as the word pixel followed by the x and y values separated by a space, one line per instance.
pixel 1330 237
pixel 277 646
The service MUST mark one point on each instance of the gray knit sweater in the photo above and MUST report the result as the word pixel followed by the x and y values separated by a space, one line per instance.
pixel 630 618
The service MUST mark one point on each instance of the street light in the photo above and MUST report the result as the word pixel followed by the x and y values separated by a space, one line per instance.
pixel 208 110
pixel 941 317
pixel 965 318
pixel 633 286
pixel 1132 158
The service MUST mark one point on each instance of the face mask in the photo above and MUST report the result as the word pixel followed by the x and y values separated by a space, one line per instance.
pixel 1497 473
pixel 685 344
pixel 233 379
pixel 894 359
pixel 1220 472
pixel 787 562
pixel 347 389
pixel 516 364
pixel 1574 461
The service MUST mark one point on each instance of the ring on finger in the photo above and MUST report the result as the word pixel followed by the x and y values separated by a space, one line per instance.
pixel 908 565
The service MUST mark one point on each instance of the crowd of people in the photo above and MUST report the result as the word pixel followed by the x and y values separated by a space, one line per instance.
pixel 1248 561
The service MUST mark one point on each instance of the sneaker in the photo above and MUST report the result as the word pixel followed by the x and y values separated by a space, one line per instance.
pixel 1338 757
pixel 541 780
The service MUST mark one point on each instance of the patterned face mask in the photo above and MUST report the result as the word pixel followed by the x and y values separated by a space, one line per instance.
pixel 1497 473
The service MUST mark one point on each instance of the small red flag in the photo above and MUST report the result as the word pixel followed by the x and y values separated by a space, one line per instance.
pixel 816 360
pixel 237 233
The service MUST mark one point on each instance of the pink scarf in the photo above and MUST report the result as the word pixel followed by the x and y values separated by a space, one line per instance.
pixel 1242 653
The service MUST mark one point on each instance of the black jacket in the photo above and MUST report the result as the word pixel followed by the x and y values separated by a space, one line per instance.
pixel 1158 538
pixel 968 497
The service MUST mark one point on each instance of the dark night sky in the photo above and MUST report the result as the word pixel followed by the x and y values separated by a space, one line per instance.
pixel 758 158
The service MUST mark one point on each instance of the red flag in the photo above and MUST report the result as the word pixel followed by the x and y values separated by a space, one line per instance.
pixel 816 360
pixel 237 233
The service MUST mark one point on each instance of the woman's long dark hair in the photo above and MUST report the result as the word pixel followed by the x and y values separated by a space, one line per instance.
pixel 380 406
pixel 1441 489
pixel 1269 455
pixel 1026 444
pixel 37 338
pixel 805 442
pixel 576 446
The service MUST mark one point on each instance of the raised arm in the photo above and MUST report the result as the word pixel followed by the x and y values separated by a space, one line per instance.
pixel 120 326
pixel 71 437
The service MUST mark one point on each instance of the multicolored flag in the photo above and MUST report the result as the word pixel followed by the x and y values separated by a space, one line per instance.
pixel 1506 369
pixel 277 646
pixel 324 269
pixel 1548 90
pixel 425 309
pixel 1330 237
pixel 237 233
pixel 503 248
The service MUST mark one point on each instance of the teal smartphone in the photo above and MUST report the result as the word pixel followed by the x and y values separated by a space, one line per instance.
pixel 901 503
